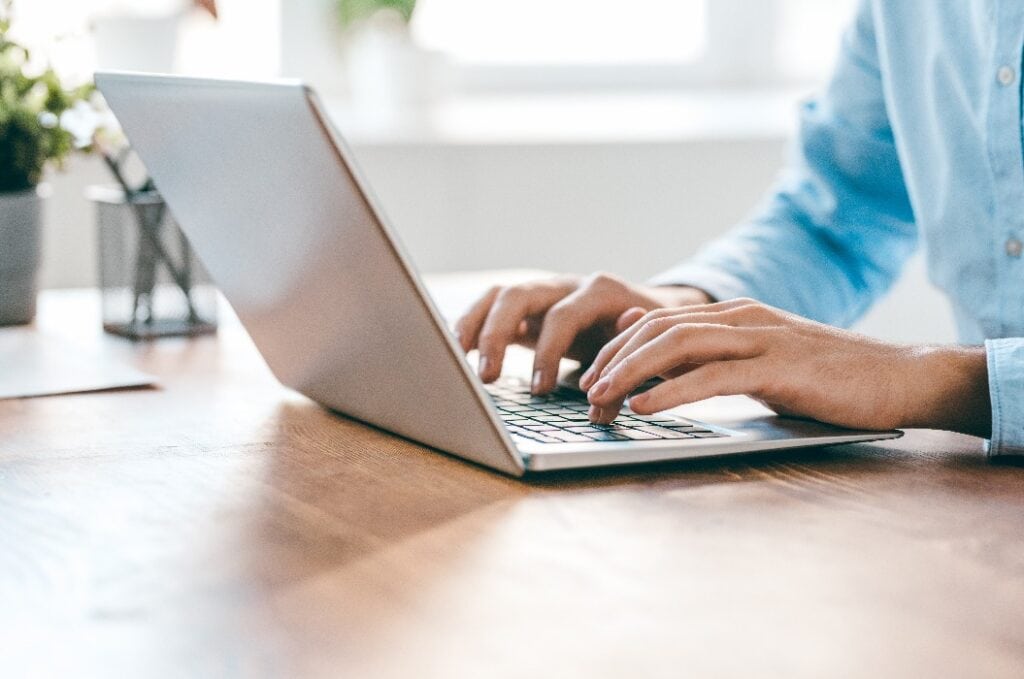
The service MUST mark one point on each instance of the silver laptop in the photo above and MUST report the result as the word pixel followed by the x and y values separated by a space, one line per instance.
pixel 269 195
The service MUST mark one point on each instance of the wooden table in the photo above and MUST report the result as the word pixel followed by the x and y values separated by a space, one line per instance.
pixel 223 526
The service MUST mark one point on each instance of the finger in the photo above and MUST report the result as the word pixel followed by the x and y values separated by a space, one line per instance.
pixel 511 306
pixel 713 379
pixel 681 344
pixel 468 327
pixel 626 330
pixel 690 353
pixel 628 318
pixel 563 322
pixel 624 321
pixel 735 312
pixel 649 327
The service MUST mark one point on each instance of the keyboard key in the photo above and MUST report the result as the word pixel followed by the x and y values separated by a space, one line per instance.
pixel 587 429
pixel 657 431
pixel 607 436
pixel 637 435
pixel 569 437
pixel 673 434
pixel 562 417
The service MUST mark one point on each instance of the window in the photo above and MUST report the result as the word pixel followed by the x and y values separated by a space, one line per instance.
pixel 491 45
pixel 563 31
pixel 642 43
pixel 244 42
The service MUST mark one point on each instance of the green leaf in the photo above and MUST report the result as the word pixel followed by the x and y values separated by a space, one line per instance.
pixel 26 145
pixel 354 11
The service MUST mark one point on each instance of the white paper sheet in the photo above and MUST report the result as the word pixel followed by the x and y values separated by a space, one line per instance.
pixel 36 364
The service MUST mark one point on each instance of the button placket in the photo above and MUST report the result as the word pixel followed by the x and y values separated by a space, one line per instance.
pixel 1006 156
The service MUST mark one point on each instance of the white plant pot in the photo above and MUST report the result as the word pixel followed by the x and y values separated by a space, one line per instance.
pixel 20 245
pixel 388 73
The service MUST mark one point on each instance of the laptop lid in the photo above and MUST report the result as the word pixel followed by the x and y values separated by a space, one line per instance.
pixel 269 197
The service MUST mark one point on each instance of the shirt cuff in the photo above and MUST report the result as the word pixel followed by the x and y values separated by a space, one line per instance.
pixel 719 284
pixel 1006 389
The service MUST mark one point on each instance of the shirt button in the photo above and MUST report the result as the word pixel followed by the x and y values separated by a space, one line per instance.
pixel 1005 75
pixel 1014 247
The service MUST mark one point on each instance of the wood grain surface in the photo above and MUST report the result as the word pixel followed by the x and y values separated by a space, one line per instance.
pixel 221 526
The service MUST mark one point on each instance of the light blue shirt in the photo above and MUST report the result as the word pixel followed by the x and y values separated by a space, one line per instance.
pixel 917 139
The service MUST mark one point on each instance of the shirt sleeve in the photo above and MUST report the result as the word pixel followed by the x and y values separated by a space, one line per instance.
pixel 835 231
pixel 1006 391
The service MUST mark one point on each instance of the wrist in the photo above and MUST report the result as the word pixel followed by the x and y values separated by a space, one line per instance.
pixel 947 388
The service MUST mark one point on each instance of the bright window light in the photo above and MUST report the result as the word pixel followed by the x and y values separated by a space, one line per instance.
pixel 808 36
pixel 563 31
pixel 243 43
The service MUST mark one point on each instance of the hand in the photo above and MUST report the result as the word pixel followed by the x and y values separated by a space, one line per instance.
pixel 795 366
pixel 567 316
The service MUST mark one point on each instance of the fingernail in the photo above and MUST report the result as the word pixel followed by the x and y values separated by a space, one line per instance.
pixel 595 414
pixel 484 368
pixel 538 380
pixel 598 389
pixel 586 378
pixel 637 401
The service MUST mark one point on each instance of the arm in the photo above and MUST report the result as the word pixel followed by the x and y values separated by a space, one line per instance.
pixel 839 224
pixel 828 241
pixel 797 367
pixel 836 230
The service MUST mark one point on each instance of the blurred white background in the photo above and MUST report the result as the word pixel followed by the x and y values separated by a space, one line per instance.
pixel 560 134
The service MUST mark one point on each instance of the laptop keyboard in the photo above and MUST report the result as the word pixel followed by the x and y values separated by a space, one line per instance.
pixel 561 417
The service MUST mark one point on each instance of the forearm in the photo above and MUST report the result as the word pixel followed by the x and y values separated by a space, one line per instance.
pixel 807 369
pixel 786 259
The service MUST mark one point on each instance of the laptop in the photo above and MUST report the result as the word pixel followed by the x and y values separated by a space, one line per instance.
pixel 268 193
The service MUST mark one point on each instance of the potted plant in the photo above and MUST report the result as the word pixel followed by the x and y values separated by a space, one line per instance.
pixel 387 71
pixel 352 12
pixel 31 137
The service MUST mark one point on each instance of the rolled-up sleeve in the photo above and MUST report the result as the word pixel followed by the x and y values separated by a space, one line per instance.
pixel 1006 390
pixel 835 232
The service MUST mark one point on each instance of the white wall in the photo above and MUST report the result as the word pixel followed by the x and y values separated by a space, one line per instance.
pixel 631 208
